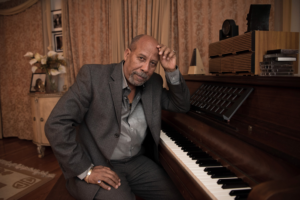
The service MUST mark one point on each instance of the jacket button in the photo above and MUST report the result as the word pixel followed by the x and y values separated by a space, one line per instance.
pixel 117 135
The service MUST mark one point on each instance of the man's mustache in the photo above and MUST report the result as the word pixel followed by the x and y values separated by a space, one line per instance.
pixel 141 74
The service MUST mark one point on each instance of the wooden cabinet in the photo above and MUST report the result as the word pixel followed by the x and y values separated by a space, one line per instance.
pixel 243 53
pixel 41 107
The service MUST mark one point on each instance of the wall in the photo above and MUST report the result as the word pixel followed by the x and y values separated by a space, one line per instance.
pixel 19 33
pixel 55 4
pixel 295 23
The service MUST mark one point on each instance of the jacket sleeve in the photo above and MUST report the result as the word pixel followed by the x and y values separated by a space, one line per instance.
pixel 60 128
pixel 177 98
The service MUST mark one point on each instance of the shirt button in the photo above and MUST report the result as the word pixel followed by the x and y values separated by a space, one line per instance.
pixel 117 135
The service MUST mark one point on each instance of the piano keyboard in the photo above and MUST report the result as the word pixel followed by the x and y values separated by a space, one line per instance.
pixel 219 182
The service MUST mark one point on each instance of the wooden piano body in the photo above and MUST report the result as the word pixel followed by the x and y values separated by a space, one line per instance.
pixel 260 144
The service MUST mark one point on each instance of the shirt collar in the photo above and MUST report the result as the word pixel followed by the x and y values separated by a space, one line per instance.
pixel 124 85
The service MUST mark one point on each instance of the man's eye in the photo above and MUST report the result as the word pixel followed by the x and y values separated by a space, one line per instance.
pixel 141 58
pixel 153 63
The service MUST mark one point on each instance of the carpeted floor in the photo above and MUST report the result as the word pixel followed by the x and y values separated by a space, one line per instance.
pixel 17 180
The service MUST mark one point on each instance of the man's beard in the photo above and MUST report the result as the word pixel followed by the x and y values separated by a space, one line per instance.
pixel 137 83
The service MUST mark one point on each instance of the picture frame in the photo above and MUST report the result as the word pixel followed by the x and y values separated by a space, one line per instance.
pixel 58 42
pixel 56 20
pixel 38 81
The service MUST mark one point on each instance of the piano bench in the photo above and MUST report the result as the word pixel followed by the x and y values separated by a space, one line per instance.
pixel 59 191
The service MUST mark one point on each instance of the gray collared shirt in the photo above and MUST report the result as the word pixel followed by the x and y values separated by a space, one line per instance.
pixel 133 121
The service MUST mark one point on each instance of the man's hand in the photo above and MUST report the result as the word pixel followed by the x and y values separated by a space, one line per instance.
pixel 104 174
pixel 167 58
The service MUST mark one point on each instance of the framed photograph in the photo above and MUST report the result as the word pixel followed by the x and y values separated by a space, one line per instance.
pixel 58 42
pixel 56 20
pixel 38 81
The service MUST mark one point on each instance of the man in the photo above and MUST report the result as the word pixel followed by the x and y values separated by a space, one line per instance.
pixel 117 109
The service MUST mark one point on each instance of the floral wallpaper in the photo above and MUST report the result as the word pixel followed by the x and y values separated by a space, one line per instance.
pixel 19 33
pixel 11 3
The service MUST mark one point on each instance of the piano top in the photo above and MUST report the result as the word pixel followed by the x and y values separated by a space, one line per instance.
pixel 279 81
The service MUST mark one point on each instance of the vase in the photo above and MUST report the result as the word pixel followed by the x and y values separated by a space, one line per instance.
pixel 51 83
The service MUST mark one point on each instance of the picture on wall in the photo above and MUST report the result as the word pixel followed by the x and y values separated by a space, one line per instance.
pixel 38 81
pixel 58 42
pixel 56 20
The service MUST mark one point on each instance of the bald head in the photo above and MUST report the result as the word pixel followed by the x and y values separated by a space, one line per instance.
pixel 145 38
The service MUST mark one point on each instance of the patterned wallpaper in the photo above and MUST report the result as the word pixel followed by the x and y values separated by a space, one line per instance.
pixel 19 33
pixel 11 4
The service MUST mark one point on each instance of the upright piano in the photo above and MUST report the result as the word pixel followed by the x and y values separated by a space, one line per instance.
pixel 254 155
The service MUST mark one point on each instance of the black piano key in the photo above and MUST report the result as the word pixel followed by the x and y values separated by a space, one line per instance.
pixel 235 180
pixel 239 192
pixel 205 163
pixel 196 151
pixel 184 142
pixel 241 197
pixel 190 152
pixel 223 175
pixel 200 158
pixel 219 172
pixel 234 185
pixel 190 148
pixel 202 155
pixel 225 171
pixel 215 169
pixel 203 159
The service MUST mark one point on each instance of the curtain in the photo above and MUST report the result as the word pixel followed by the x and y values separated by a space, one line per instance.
pixel 87 34
pixel 196 24
pixel 19 8
pixel 19 33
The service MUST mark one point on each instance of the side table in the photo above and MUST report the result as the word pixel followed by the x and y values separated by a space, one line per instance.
pixel 41 107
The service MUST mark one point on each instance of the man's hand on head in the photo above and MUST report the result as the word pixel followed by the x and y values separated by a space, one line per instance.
pixel 104 177
pixel 167 58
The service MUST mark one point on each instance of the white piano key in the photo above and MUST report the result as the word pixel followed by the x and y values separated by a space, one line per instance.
pixel 204 178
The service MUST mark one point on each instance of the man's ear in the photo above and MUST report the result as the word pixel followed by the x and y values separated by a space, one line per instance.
pixel 126 53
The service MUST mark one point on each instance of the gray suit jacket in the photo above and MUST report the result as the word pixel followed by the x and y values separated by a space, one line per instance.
pixel 92 109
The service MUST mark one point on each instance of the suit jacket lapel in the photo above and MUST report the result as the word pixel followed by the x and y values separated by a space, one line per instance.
pixel 115 85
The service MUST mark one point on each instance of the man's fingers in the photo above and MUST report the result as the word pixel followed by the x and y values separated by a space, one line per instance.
pixel 161 49
pixel 112 175
pixel 172 54
pixel 110 181
pixel 111 178
pixel 165 52
pixel 105 174
pixel 104 186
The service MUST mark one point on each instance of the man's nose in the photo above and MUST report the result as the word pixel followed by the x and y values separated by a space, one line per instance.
pixel 145 67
